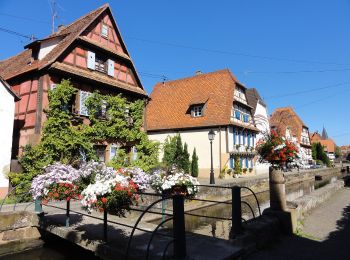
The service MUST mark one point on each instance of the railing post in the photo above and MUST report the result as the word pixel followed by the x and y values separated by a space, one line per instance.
pixel 38 207
pixel 179 227
pixel 105 231
pixel 67 213
pixel 236 228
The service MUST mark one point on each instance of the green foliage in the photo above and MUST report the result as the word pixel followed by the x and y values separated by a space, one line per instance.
pixel 338 153
pixel 194 164
pixel 176 154
pixel 237 169
pixel 121 123
pixel 186 164
pixel 319 154
pixel 66 139
pixel 169 148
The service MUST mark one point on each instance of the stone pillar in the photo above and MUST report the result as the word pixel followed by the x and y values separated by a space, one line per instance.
pixel 277 190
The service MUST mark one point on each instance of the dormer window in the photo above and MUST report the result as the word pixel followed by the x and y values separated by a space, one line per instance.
pixel 197 111
pixel 104 30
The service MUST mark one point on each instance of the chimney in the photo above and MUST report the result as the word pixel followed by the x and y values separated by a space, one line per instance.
pixel 60 27
pixel 199 72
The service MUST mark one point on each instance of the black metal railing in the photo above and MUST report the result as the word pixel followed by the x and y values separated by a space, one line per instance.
pixel 176 215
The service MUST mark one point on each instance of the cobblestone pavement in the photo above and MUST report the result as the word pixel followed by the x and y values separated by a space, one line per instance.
pixel 326 234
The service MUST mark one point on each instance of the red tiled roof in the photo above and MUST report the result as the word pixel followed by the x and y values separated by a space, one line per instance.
pixel 22 62
pixel 329 145
pixel 171 100
pixel 285 117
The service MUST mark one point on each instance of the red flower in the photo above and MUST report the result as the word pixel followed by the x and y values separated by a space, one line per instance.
pixel 104 200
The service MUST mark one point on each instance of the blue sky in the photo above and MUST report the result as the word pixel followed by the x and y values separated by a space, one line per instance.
pixel 299 48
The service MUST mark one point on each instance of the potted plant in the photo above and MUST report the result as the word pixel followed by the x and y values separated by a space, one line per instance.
pixel 174 182
pixel 58 182
pixel 237 167
pixel 245 170
pixel 278 152
pixel 250 170
pixel 114 190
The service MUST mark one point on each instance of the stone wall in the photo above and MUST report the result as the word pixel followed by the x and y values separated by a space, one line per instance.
pixel 18 232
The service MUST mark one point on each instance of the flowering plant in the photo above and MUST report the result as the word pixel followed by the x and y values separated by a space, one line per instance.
pixel 61 191
pixel 276 150
pixel 138 176
pixel 55 175
pixel 174 182
pixel 112 190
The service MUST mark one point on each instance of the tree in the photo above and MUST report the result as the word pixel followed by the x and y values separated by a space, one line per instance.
pixel 186 164
pixel 169 148
pixel 178 155
pixel 337 153
pixel 320 154
pixel 194 164
pixel 237 169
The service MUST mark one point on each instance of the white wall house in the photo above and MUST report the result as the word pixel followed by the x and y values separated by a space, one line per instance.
pixel 7 110
pixel 193 106
pixel 261 121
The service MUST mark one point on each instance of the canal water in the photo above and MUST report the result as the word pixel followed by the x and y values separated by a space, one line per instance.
pixel 54 249
pixel 221 228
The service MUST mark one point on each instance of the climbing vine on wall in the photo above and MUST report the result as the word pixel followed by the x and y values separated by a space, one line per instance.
pixel 113 119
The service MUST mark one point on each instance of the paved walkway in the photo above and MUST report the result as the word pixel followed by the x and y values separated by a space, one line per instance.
pixel 326 234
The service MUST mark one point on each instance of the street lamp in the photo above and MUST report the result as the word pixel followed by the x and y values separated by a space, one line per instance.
pixel 211 136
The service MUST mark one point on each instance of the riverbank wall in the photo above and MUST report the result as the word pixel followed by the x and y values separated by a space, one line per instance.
pixel 19 231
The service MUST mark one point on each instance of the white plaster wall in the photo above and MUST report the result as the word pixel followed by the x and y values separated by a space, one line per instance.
pixel 197 139
pixel 7 108
pixel 47 46
pixel 262 123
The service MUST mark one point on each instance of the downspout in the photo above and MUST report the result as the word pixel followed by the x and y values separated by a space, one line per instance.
pixel 220 166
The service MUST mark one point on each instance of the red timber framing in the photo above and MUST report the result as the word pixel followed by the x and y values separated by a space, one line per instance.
pixel 90 52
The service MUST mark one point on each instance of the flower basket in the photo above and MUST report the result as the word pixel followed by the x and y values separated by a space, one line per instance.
pixel 113 191
pixel 61 191
pixel 176 190
pixel 58 182
pixel 174 182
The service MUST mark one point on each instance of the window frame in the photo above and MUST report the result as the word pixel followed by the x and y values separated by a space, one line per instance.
pixel 104 26
pixel 197 111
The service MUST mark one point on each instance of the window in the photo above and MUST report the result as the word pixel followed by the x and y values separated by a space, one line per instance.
pixel 113 150
pixel 102 113
pixel 100 152
pixel 52 86
pixel 133 153
pixel 100 64
pixel 104 30
pixel 83 109
pixel 197 111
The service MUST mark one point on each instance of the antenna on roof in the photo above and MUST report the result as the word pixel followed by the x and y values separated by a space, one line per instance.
pixel 54 13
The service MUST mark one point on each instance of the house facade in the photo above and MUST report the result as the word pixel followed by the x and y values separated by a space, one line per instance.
pixel 261 119
pixel 7 108
pixel 193 106
pixel 288 124
pixel 91 53
pixel 328 144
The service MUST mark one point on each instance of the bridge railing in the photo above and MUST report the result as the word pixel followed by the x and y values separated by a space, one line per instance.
pixel 176 215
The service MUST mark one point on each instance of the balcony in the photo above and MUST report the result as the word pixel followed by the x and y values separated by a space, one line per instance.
pixel 243 150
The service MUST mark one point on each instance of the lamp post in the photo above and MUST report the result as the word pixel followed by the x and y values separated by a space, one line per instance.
pixel 211 136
